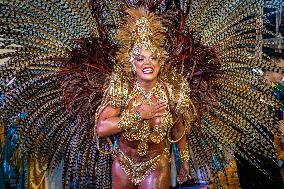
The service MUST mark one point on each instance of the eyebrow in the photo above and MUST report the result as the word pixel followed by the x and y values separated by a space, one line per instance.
pixel 140 55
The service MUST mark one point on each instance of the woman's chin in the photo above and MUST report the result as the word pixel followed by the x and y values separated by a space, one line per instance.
pixel 148 78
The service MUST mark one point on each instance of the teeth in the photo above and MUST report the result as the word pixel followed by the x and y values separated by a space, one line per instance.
pixel 147 70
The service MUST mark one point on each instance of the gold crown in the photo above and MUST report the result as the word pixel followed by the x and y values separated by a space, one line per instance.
pixel 140 30
pixel 141 36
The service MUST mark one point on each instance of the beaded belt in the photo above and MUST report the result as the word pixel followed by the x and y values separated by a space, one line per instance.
pixel 138 171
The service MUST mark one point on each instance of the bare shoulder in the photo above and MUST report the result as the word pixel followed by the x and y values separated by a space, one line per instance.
pixel 109 111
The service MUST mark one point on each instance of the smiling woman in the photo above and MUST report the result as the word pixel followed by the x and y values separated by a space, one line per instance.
pixel 146 66
pixel 140 109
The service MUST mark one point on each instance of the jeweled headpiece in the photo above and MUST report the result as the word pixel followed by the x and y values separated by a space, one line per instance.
pixel 141 36
pixel 140 30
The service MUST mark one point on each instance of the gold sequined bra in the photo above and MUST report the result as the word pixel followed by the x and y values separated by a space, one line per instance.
pixel 145 133
pixel 137 171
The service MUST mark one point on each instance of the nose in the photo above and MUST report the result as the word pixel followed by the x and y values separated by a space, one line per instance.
pixel 147 62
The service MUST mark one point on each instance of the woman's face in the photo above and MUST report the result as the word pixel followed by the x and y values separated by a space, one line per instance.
pixel 146 65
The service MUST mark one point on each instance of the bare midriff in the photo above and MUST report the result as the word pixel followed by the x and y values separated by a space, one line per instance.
pixel 130 148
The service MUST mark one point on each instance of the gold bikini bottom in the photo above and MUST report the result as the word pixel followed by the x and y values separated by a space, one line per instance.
pixel 138 171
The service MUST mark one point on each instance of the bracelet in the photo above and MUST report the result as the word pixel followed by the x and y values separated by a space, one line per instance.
pixel 111 151
pixel 128 120
pixel 183 155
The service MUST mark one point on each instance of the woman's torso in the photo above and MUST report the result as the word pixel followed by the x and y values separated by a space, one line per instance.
pixel 149 138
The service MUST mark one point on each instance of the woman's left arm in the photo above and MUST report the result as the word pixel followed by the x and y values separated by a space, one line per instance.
pixel 179 132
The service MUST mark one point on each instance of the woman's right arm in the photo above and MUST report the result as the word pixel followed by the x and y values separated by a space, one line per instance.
pixel 108 122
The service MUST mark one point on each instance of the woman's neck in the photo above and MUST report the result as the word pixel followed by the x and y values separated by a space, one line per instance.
pixel 146 85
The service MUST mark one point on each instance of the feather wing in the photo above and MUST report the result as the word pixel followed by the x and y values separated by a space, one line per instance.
pixel 57 57
pixel 213 45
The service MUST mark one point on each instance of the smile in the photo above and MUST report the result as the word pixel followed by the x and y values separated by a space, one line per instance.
pixel 148 70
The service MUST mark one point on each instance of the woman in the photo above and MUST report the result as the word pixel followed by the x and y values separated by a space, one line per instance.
pixel 141 108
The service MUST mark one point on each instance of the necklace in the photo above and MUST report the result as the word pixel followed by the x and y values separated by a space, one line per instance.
pixel 140 91
pixel 144 133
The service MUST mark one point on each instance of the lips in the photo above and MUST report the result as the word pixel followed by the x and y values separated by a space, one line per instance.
pixel 148 70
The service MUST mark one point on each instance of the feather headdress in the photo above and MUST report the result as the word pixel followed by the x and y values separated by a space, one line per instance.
pixel 140 30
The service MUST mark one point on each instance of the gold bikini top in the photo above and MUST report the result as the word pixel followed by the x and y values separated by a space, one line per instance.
pixel 172 88
pixel 145 133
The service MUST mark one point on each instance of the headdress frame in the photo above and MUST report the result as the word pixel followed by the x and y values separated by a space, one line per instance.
pixel 139 29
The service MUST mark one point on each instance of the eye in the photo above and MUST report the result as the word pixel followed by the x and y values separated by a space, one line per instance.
pixel 139 59
pixel 154 58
